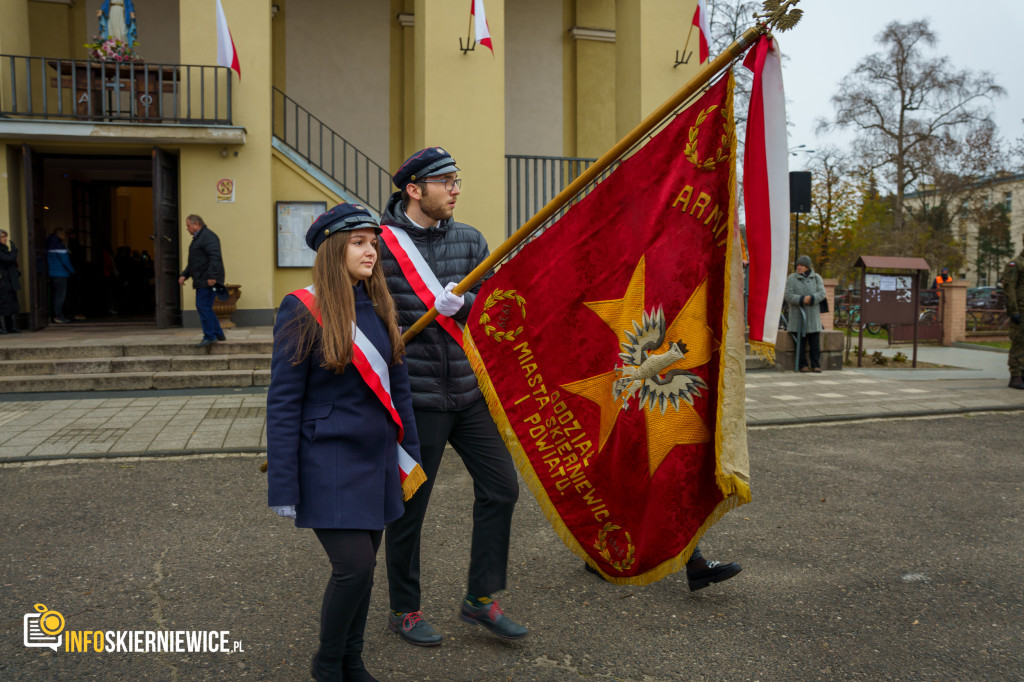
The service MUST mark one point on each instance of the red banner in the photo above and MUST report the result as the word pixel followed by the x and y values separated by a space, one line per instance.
pixel 601 348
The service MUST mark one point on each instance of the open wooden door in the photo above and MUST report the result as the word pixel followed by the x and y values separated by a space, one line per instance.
pixel 166 264
pixel 38 300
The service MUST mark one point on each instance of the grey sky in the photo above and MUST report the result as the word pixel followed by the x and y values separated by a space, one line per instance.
pixel 833 36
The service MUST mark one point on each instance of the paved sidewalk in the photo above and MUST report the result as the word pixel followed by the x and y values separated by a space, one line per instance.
pixel 154 423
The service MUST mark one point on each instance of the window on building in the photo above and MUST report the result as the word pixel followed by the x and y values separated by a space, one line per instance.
pixel 1008 201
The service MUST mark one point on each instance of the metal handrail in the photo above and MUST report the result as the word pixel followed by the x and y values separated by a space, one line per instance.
pixel 323 148
pixel 114 92
pixel 532 181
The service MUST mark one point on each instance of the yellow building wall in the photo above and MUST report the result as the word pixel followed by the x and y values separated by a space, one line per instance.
pixel 459 104
pixel 594 104
pixel 291 183
pixel 647 34
pixel 245 227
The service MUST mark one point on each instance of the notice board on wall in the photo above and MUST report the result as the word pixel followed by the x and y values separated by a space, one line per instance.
pixel 293 219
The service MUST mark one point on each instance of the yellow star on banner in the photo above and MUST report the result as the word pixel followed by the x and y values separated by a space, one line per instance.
pixel 668 423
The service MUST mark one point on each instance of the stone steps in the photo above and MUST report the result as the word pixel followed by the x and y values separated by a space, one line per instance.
pixel 106 366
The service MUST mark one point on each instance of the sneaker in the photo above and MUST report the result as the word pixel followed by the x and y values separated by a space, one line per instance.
pixel 205 342
pixel 700 577
pixel 493 618
pixel 413 628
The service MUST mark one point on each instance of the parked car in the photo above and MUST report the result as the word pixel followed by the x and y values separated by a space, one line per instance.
pixel 986 298
pixel 929 298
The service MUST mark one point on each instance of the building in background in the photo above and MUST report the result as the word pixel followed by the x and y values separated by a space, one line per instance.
pixel 334 94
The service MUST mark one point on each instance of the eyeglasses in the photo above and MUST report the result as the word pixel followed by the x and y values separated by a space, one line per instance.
pixel 449 183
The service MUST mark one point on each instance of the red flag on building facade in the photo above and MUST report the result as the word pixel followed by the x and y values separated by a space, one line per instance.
pixel 610 350
pixel 482 30
pixel 227 55
pixel 700 22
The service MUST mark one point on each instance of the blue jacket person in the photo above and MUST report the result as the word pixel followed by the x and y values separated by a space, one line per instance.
pixel 338 424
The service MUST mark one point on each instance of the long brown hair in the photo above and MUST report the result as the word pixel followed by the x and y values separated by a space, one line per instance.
pixel 336 302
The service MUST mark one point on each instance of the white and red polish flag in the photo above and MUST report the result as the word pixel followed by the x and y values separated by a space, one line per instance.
pixel 227 55
pixel 766 194
pixel 700 22
pixel 483 31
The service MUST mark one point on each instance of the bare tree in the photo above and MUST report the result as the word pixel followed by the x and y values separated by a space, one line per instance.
pixel 900 100
pixel 834 211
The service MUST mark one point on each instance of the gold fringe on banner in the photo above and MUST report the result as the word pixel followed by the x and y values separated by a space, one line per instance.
pixel 764 350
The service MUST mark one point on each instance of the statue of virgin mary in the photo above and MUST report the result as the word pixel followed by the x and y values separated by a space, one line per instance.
pixel 117 20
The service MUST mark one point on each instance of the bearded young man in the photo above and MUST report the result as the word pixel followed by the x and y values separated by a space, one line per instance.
pixel 425 254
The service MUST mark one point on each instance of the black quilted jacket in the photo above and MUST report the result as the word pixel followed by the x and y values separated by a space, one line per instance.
pixel 439 371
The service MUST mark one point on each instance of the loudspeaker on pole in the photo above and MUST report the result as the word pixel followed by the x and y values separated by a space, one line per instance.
pixel 799 191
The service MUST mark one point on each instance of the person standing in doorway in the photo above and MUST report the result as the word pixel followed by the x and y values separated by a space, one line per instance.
pixel 58 264
pixel 424 249
pixel 206 268
pixel 10 284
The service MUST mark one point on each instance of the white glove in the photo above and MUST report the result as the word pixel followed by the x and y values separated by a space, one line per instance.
pixel 448 303
pixel 286 511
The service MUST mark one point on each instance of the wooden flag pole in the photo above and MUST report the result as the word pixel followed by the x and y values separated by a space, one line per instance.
pixel 702 77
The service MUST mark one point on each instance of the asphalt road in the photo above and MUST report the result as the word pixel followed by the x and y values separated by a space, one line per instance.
pixel 872 550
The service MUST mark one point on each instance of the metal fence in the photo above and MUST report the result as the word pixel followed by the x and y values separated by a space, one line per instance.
pixel 316 142
pixel 533 181
pixel 121 92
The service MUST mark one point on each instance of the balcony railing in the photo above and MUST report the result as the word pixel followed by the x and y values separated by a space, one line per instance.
pixel 533 181
pixel 318 144
pixel 119 92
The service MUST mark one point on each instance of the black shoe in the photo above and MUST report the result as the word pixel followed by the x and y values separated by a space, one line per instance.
pixel 590 569
pixel 221 337
pixel 493 618
pixel 1016 382
pixel 703 573
pixel 205 342
pixel 353 670
pixel 414 629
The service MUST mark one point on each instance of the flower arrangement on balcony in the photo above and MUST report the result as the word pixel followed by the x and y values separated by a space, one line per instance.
pixel 112 50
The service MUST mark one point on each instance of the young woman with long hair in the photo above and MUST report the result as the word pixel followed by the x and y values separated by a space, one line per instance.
pixel 342 448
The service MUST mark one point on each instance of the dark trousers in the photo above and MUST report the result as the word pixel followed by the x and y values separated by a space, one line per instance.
pixel 60 293
pixel 812 344
pixel 353 555
pixel 207 318
pixel 474 437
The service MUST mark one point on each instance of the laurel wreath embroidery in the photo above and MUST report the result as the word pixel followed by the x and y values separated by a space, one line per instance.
pixel 602 548
pixel 491 330
pixel 690 150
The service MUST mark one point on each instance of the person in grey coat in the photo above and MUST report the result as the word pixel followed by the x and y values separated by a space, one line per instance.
pixel 804 291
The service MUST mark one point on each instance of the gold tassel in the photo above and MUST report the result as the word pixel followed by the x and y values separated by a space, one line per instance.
pixel 413 482
pixel 763 350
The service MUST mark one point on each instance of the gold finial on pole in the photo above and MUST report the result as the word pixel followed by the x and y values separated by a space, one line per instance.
pixel 777 14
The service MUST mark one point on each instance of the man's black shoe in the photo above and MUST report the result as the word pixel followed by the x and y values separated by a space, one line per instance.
pixel 221 337
pixel 205 342
pixel 1016 382
pixel 704 573
pixel 414 629
pixel 493 618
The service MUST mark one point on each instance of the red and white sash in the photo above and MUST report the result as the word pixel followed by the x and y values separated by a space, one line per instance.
pixel 374 370
pixel 421 278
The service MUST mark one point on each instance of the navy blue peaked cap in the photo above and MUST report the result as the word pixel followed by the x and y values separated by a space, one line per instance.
pixel 341 218
pixel 424 164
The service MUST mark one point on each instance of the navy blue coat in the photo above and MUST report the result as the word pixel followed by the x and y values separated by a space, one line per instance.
pixel 330 442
